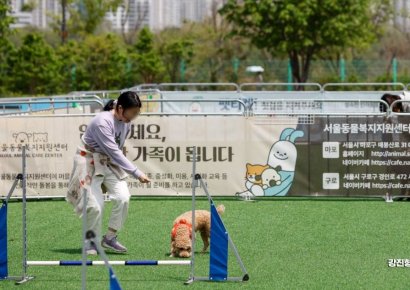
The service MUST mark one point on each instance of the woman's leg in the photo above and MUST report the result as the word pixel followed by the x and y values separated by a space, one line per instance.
pixel 120 197
pixel 95 206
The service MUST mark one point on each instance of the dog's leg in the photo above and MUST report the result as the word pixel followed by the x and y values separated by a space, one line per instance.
pixel 205 239
pixel 172 250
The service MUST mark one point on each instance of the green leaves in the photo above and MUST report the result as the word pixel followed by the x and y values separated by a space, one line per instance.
pixel 147 64
pixel 100 63
pixel 34 67
pixel 303 28
pixel 5 19
pixel 87 15
pixel 175 53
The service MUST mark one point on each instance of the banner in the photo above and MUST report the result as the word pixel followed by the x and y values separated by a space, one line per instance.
pixel 354 156
pixel 265 156
pixel 160 146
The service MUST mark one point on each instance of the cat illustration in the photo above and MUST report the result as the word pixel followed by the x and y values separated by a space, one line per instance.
pixel 254 178
pixel 254 173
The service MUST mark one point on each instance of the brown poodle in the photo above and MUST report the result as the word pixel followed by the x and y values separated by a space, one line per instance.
pixel 181 234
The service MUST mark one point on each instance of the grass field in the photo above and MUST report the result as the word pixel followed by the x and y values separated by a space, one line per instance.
pixel 284 243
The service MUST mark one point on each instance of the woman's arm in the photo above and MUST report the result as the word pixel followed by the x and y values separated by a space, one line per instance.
pixel 104 137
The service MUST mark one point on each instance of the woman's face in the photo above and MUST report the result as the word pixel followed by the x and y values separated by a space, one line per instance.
pixel 127 115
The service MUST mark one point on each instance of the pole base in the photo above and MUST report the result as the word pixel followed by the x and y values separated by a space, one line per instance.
pixel 24 280
pixel 189 282
pixel 388 198
pixel 245 196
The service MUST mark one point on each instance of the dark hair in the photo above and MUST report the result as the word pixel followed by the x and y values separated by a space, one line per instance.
pixel 389 99
pixel 126 100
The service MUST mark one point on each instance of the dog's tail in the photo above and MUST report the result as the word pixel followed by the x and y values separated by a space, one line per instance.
pixel 220 209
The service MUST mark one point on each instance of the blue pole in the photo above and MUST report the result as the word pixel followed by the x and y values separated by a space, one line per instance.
pixel 3 242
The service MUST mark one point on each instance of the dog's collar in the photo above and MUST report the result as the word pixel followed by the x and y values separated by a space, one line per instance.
pixel 177 224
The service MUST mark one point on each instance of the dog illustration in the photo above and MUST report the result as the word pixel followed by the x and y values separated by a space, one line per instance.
pixel 271 177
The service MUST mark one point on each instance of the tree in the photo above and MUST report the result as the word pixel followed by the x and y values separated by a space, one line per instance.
pixel 73 69
pixel 146 59
pixel 35 67
pixel 86 15
pixel 96 63
pixel 301 29
pixel 174 53
pixel 6 47
pixel 105 61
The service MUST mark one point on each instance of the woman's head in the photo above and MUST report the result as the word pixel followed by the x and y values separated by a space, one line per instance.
pixel 127 106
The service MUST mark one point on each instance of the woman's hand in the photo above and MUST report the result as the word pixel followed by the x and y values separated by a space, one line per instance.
pixel 144 179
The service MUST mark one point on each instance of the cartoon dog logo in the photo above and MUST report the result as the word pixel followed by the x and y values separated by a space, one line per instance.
pixel 24 137
pixel 276 177
pixel 40 137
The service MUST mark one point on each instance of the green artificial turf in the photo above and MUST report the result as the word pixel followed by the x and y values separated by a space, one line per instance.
pixel 284 243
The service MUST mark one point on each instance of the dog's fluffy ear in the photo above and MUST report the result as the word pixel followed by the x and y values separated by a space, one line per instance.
pixel 220 209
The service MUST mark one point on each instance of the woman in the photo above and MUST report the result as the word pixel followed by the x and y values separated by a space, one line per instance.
pixel 100 163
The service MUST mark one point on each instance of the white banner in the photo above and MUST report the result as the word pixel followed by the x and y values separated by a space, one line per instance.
pixel 162 148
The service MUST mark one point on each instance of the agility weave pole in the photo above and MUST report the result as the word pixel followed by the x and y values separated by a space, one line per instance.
pixel 220 239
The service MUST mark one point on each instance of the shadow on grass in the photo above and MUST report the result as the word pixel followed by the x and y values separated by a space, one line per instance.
pixel 79 251
pixel 196 253
pixel 67 251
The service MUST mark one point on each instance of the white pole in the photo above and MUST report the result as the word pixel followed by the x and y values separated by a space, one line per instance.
pixel 24 277
pixel 24 185
pixel 85 242
pixel 194 185
pixel 116 263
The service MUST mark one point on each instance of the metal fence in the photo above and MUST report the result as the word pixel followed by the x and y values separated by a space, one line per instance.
pixel 220 99
pixel 335 133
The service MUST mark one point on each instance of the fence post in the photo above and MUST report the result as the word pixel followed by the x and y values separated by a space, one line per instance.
pixel 235 64
pixel 128 68
pixel 394 68
pixel 342 66
pixel 290 77
pixel 182 70
pixel 73 73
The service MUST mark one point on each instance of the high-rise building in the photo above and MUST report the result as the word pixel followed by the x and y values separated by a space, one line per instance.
pixel 194 10
pixel 401 14
pixel 165 13
pixel 21 17
pixel 132 14
pixel 39 13
pixel 159 14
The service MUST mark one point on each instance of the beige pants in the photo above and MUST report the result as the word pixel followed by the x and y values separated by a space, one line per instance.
pixel 120 196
